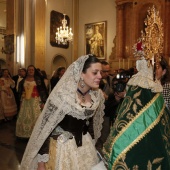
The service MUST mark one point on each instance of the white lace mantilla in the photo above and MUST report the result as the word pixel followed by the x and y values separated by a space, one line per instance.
pixel 144 77
pixel 43 158
pixel 62 101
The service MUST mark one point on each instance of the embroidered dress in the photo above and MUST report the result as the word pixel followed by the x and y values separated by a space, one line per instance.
pixel 62 104
pixel 71 157
pixel 140 138
pixel 29 110
pixel 8 104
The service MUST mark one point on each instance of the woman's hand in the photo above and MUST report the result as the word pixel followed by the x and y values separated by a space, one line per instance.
pixel 41 166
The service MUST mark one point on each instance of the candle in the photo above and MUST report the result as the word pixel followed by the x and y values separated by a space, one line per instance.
pixel 119 63
pixel 128 63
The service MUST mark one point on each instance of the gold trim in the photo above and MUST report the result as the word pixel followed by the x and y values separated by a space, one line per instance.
pixel 130 122
pixel 142 135
pixel 150 44
pixel 153 39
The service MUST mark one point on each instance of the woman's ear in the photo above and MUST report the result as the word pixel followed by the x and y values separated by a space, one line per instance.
pixel 82 76
pixel 163 72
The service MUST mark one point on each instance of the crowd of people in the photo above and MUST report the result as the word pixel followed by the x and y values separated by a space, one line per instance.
pixel 81 117
pixel 22 97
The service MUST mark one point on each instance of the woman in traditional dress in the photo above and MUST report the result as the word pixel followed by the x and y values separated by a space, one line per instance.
pixel 8 103
pixel 33 94
pixel 71 121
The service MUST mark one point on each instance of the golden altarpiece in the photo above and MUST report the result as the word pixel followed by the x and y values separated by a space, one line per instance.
pixel 130 16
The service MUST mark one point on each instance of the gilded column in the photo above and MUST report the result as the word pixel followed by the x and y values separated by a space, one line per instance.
pixel 40 8
pixel 75 29
pixel 166 31
pixel 119 31
pixel 29 31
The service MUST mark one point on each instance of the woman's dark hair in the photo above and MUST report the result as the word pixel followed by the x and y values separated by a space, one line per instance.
pixel 166 77
pixel 91 60
pixel 36 72
pixel 3 70
pixel 57 72
pixel 24 69
pixel 43 72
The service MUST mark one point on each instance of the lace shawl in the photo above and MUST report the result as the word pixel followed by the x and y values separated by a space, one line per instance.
pixel 144 77
pixel 60 102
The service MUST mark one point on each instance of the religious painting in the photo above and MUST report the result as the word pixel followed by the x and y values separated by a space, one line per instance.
pixel 56 22
pixel 95 39
pixel 9 44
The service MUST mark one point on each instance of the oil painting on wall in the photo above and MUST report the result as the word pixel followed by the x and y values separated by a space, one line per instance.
pixel 95 39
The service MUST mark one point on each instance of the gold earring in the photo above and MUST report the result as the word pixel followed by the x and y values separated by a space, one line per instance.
pixel 82 84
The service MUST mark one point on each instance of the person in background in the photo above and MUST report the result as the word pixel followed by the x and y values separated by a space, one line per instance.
pixel 44 74
pixel 163 74
pixel 106 87
pixel 7 95
pixel 56 77
pixel 33 94
pixel 65 134
pixel 111 106
pixel 115 99
pixel 106 82
pixel 17 78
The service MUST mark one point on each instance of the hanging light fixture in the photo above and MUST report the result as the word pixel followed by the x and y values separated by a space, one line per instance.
pixel 64 33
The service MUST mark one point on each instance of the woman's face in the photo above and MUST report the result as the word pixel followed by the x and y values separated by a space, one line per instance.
pixel 6 73
pixel 30 71
pixel 92 76
pixel 62 72
pixel 160 72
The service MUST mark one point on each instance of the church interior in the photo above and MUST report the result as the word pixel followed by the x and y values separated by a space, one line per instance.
pixel 28 31
pixel 28 36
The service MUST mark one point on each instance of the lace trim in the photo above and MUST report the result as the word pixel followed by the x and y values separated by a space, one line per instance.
pixel 61 102
pixel 144 78
pixel 43 158
pixel 144 82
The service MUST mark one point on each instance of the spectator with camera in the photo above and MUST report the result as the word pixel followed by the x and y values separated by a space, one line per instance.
pixel 115 99
pixel 111 105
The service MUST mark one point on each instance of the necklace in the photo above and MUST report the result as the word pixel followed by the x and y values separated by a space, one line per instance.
pixel 83 94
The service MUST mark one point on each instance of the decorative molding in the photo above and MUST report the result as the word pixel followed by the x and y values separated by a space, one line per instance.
pixel 3 30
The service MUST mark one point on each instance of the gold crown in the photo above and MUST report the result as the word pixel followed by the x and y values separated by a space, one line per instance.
pixel 150 44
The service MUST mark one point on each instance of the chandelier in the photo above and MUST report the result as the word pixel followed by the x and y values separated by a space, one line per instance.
pixel 64 33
